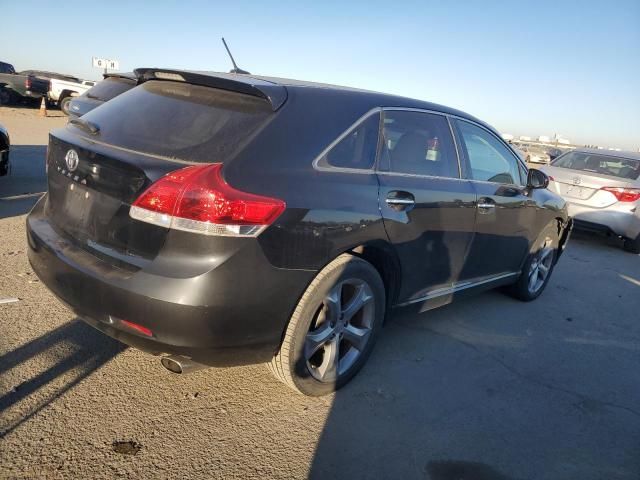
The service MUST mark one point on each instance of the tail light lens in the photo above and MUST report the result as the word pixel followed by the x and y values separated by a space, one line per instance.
pixel 197 199
pixel 27 83
pixel 624 194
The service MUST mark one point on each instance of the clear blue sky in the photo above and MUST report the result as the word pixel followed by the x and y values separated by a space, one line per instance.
pixel 535 68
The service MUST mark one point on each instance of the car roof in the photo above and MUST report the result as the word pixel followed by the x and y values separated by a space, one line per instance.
pixel 610 153
pixel 378 99
pixel 269 87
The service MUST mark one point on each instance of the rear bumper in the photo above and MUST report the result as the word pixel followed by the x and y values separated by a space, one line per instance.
pixel 240 322
pixel 620 219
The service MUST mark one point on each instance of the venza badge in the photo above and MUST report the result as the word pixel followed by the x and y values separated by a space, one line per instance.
pixel 71 158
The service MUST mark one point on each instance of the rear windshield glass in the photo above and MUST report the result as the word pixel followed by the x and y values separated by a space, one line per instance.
pixel 179 120
pixel 602 164
pixel 110 88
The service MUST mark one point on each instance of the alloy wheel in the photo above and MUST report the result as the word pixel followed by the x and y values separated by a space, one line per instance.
pixel 341 330
pixel 540 269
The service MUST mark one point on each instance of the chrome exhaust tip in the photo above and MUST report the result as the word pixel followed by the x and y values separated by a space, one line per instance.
pixel 181 365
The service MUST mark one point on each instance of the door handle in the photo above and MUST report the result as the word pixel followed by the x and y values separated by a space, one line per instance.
pixel 485 205
pixel 399 200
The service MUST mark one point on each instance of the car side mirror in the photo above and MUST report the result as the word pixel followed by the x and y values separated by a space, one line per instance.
pixel 537 179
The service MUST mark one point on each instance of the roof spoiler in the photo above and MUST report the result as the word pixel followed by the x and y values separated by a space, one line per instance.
pixel 275 94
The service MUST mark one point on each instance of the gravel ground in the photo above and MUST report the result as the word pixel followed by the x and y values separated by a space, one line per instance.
pixel 488 388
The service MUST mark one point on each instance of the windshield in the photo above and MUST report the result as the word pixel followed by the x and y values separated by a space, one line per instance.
pixel 180 120
pixel 110 88
pixel 601 164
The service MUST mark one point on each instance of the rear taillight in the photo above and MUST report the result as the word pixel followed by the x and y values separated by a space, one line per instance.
pixel 624 194
pixel 197 199
pixel 27 83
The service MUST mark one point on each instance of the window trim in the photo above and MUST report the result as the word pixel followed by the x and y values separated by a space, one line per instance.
pixel 465 154
pixel 460 154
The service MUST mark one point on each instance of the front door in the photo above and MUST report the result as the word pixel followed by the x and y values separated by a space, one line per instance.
pixel 506 214
pixel 428 210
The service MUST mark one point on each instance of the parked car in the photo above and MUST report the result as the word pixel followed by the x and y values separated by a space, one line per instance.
pixel 535 154
pixel 15 86
pixel 5 146
pixel 602 190
pixel 113 85
pixel 62 87
pixel 226 219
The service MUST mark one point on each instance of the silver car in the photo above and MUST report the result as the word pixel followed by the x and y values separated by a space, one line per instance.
pixel 602 190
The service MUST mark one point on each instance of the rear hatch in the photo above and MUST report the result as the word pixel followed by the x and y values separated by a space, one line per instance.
pixel 581 177
pixel 99 164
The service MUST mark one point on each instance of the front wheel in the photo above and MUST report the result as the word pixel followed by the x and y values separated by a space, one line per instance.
pixel 632 246
pixel 535 275
pixel 333 329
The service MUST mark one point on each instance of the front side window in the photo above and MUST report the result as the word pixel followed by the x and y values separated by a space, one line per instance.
pixel 418 143
pixel 489 159
pixel 357 149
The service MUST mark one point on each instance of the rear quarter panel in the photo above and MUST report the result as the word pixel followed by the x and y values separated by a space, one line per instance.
pixel 328 212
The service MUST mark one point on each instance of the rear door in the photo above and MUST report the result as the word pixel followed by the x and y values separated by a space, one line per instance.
pixel 506 216
pixel 428 210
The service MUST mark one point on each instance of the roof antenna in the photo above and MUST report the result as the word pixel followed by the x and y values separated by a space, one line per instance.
pixel 235 67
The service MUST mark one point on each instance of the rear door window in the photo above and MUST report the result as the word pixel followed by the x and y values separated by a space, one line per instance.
pixel 490 160
pixel 357 149
pixel 417 143
pixel 181 121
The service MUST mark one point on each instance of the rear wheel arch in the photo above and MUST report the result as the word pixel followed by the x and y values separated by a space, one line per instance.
pixel 382 256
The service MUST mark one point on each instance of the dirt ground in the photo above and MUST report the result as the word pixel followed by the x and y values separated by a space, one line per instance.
pixel 486 389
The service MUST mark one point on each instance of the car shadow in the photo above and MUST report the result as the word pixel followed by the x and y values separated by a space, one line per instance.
pixel 480 390
pixel 26 182
pixel 72 347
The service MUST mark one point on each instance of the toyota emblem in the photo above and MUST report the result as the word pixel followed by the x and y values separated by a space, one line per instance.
pixel 71 159
pixel 576 180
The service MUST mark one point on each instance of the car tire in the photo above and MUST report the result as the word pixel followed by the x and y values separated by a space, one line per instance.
pixel 7 97
pixel 632 246
pixel 64 105
pixel 333 328
pixel 536 272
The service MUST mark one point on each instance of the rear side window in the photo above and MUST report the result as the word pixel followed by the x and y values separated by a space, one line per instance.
pixel 182 121
pixel 490 160
pixel 357 150
pixel 418 144
pixel 110 88
pixel 625 168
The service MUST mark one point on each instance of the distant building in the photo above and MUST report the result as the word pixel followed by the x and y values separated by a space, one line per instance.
pixel 544 139
pixel 524 138
pixel 507 137
pixel 559 139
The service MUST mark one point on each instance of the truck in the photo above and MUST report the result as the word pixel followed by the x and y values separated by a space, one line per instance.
pixel 62 87
pixel 15 86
